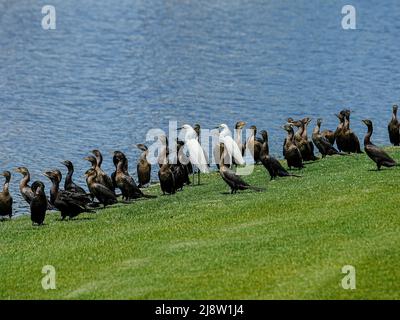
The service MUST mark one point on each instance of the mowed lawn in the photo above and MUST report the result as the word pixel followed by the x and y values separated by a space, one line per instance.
pixel 288 242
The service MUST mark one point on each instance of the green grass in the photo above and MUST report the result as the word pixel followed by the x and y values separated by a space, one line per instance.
pixel 289 242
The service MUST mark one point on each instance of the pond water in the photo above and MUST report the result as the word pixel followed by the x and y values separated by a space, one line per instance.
pixel 113 70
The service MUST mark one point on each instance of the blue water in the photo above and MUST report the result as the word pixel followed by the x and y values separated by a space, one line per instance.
pixel 113 70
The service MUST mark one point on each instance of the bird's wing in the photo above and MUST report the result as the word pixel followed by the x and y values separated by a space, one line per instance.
pixel 379 154
pixel 196 155
pixel 104 191
pixel 233 149
pixel 231 176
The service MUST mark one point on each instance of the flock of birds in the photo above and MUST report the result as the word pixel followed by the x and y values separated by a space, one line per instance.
pixel 175 174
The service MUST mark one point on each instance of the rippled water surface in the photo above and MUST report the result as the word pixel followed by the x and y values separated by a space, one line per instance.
pixel 114 69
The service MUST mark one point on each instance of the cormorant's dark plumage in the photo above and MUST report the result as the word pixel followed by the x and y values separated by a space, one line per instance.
pixel 305 146
pixel 346 139
pixel 378 155
pixel 273 166
pixel 69 185
pixel 393 128
pixel 124 181
pixel 38 204
pixel 167 179
pixel 254 145
pixel 103 194
pixel 234 181
pixel 6 201
pixel 101 177
pixel 322 143
pixel 143 167
pixel 24 186
pixel 292 153
pixel 70 204
pixel 180 170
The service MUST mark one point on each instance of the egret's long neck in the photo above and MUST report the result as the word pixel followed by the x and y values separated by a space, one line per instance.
pixel 238 136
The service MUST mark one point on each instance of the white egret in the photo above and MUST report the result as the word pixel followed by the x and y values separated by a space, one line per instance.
pixel 231 146
pixel 196 153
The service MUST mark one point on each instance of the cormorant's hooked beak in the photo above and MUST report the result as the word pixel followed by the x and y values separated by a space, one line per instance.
pixel 46 174
pixel 86 158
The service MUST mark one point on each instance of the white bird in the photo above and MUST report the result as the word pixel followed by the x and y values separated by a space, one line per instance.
pixel 231 146
pixel 196 153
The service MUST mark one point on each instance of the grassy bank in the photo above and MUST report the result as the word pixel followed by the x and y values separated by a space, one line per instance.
pixel 290 241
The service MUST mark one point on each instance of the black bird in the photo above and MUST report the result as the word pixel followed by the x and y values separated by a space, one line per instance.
pixel 143 167
pixel 322 143
pixel 329 135
pixel 117 156
pixel 180 168
pixel 124 181
pixel 265 143
pixel 103 194
pixel 38 204
pixel 238 137
pixel 163 151
pixel 70 204
pixel 254 145
pixel 167 179
pixel 101 176
pixel 393 128
pixel 346 139
pixel 69 185
pixel 292 153
pixel 305 146
pixel 273 166
pixel 165 173
pixel 234 181
pixel 6 201
pixel 24 186
pixel 378 155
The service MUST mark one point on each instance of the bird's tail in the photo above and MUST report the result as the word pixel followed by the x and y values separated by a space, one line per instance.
pixel 255 188
pixel 294 175
pixel 148 196
pixel 287 174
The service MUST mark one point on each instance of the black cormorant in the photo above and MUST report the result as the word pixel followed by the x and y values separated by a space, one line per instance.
pixel 38 204
pixel 143 166
pixel 378 155
pixel 6 201
pixel 393 128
